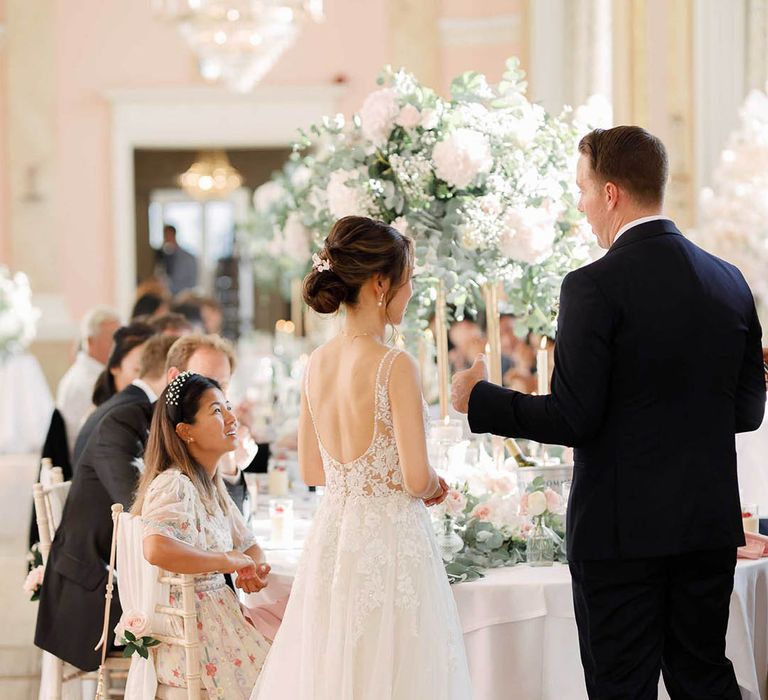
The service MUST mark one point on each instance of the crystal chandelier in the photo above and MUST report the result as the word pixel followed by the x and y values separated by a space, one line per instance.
pixel 238 41
pixel 210 177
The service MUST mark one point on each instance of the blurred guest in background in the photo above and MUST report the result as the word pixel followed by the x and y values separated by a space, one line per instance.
pixel 467 339
pixel 172 324
pixel 73 396
pixel 518 357
pixel 148 306
pixel 123 363
pixel 174 263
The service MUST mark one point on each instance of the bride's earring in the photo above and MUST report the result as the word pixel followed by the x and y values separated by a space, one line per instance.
pixel 381 300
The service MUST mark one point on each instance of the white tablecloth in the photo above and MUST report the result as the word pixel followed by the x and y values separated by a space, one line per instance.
pixel 26 405
pixel 521 638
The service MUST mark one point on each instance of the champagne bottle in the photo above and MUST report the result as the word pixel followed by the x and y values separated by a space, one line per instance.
pixel 517 454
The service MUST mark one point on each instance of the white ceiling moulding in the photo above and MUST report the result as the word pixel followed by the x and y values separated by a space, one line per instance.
pixel 196 118
pixel 480 31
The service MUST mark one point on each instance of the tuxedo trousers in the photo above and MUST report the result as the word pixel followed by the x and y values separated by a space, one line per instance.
pixel 639 617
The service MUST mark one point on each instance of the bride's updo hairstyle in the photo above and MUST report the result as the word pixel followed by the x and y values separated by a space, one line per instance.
pixel 356 249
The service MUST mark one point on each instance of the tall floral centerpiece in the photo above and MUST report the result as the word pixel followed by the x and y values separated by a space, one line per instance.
pixel 482 181
pixel 18 318
pixel 734 211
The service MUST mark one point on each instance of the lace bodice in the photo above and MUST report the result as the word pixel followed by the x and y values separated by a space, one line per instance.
pixel 375 473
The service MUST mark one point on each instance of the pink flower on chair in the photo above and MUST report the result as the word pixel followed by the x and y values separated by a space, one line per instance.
pixel 210 669
pixel 135 622
pixel 34 580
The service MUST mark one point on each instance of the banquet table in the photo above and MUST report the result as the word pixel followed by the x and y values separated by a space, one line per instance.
pixel 520 632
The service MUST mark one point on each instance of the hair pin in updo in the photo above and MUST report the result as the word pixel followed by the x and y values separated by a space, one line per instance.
pixel 320 264
pixel 173 391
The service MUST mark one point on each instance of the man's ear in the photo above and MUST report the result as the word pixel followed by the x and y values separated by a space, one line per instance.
pixel 611 194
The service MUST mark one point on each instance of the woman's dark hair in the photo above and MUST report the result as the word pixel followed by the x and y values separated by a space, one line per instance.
pixel 126 338
pixel 356 249
pixel 147 305
pixel 179 403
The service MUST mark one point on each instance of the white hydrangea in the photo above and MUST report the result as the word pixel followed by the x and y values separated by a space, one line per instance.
pixel 347 195
pixel 300 177
pixel 461 157
pixel 266 195
pixel 378 114
pixel 296 236
pixel 18 318
pixel 528 234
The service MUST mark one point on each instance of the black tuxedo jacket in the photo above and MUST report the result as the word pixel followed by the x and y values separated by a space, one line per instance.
pixel 71 611
pixel 658 363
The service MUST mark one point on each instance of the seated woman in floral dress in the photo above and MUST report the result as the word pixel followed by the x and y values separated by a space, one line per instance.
pixel 191 526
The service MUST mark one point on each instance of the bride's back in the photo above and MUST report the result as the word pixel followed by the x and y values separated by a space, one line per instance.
pixel 342 394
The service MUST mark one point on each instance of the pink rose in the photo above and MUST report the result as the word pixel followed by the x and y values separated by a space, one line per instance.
pixel 524 504
pixel 455 502
pixel 34 580
pixel 134 622
pixel 554 501
pixel 501 484
pixel 409 117
pixel 482 511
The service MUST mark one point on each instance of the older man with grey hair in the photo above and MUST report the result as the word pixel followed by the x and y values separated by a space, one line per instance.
pixel 73 396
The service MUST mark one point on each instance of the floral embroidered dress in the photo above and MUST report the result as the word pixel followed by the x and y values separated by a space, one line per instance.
pixel 232 651
pixel 371 615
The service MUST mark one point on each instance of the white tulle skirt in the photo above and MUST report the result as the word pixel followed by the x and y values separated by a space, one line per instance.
pixel 371 615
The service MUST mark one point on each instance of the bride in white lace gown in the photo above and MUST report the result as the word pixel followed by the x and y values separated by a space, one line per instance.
pixel 371 615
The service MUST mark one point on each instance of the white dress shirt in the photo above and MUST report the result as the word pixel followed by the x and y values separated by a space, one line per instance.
pixel 637 222
pixel 151 395
pixel 73 396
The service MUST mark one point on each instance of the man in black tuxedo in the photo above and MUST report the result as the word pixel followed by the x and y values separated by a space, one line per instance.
pixel 71 612
pixel 657 365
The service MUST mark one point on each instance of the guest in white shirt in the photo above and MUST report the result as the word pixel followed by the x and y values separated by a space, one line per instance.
pixel 73 397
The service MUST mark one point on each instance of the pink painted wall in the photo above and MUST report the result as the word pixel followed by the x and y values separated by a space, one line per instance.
pixel 120 44
pixel 5 247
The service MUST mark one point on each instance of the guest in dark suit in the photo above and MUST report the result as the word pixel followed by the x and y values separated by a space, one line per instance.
pixel 71 612
pixel 657 365
pixel 213 357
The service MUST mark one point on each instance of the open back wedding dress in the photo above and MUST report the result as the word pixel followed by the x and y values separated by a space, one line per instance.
pixel 371 615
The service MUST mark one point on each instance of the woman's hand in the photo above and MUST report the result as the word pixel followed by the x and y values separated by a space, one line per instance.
pixel 235 561
pixel 253 578
pixel 440 493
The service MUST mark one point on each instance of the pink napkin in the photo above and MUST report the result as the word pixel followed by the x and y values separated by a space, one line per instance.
pixel 266 608
pixel 266 618
pixel 755 548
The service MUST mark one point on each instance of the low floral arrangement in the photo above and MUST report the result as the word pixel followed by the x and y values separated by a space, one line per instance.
pixel 35 573
pixel 130 632
pixel 483 182
pixel 18 318
pixel 494 522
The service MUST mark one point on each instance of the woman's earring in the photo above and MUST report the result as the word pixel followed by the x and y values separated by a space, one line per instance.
pixel 381 299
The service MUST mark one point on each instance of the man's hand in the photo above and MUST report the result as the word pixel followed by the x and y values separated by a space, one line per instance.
pixel 253 578
pixel 464 382
pixel 439 497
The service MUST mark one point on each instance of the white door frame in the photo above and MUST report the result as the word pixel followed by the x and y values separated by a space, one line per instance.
pixel 191 118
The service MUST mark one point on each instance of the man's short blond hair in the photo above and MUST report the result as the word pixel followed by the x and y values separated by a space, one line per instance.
pixel 153 356
pixel 187 345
